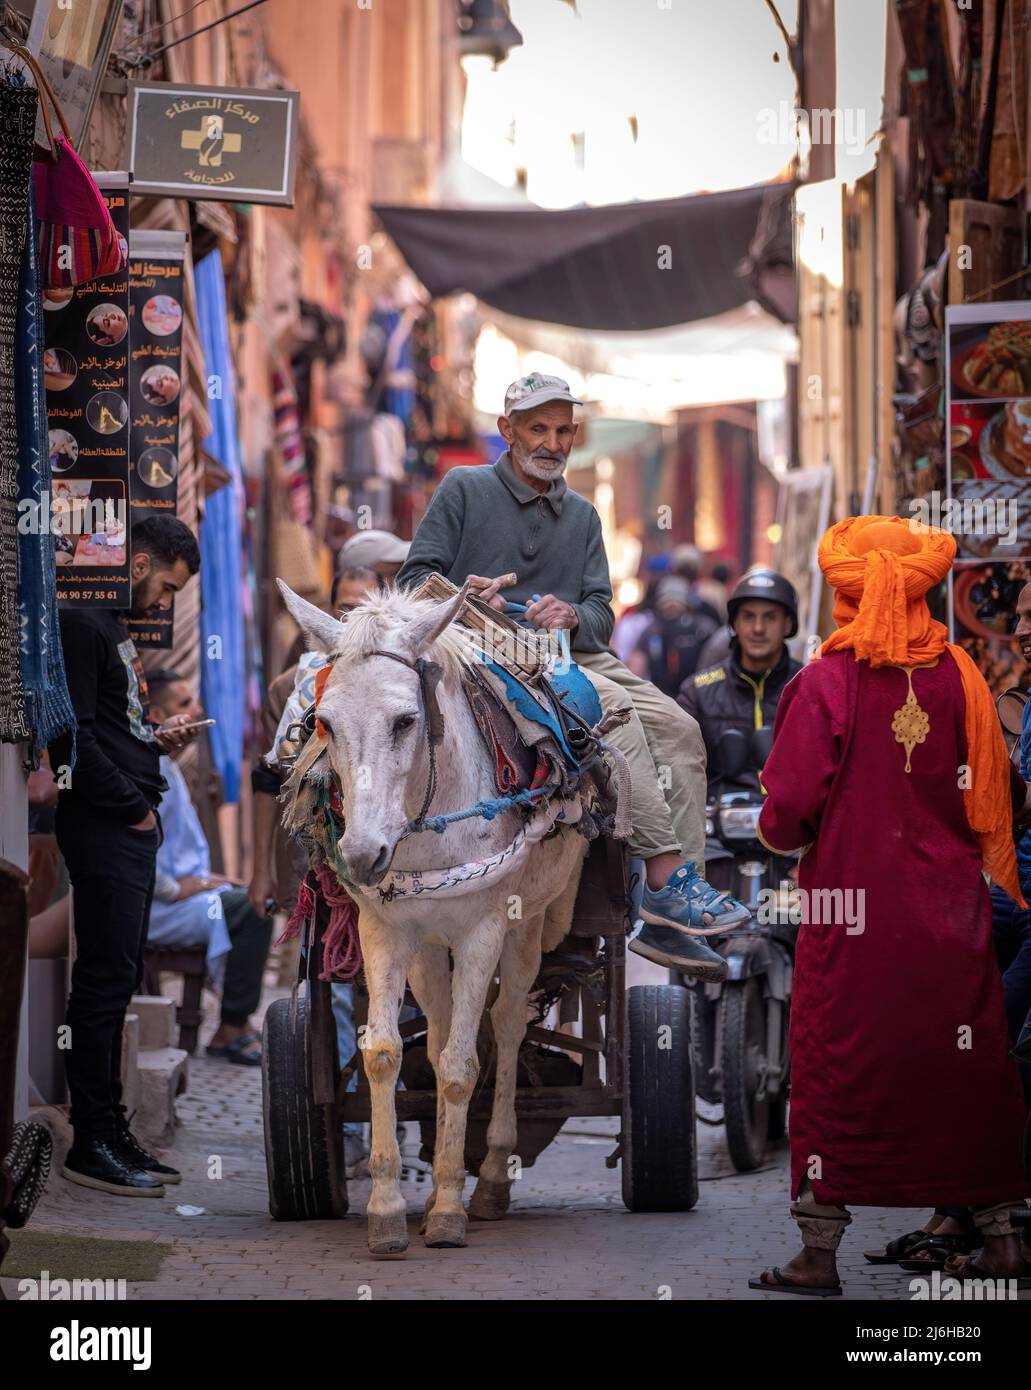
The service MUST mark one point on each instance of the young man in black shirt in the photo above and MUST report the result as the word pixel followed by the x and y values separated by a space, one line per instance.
pixel 109 834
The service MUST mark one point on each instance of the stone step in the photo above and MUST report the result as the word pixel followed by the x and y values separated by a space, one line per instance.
pixel 162 1072
pixel 157 1019
pixel 131 1045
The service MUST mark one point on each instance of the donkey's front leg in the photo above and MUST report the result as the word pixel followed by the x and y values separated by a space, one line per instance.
pixel 386 955
pixel 476 957
pixel 520 962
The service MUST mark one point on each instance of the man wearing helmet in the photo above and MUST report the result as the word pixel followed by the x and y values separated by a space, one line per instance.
pixel 742 691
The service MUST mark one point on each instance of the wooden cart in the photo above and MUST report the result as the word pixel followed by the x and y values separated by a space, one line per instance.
pixel 635 1062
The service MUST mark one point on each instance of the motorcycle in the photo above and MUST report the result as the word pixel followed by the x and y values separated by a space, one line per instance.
pixel 741 1025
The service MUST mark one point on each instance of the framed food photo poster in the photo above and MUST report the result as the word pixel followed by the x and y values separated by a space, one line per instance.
pixel 988 480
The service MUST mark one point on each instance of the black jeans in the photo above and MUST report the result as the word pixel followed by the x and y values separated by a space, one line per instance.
pixel 249 936
pixel 112 874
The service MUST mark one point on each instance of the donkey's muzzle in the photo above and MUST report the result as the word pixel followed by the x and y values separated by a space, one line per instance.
pixel 366 863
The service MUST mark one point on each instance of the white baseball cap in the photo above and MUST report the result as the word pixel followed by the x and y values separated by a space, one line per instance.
pixel 373 548
pixel 537 389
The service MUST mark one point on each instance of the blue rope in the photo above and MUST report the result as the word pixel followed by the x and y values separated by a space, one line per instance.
pixel 487 809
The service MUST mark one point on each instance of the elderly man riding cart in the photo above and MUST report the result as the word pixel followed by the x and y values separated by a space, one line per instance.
pixel 450 782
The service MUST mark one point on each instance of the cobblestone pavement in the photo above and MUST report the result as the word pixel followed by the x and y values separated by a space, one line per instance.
pixel 568 1235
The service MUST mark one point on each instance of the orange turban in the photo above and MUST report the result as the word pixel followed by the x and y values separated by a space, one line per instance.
pixel 880 568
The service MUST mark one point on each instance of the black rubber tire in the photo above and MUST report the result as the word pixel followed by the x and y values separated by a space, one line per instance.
pixel 303 1141
pixel 743 1021
pixel 660 1155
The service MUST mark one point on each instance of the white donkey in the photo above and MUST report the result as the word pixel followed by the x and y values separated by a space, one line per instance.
pixel 512 897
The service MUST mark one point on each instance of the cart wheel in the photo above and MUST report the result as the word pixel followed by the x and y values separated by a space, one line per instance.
pixel 303 1143
pixel 660 1159
pixel 745 1107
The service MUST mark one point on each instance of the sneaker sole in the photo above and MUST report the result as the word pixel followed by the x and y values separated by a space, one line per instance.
pixel 725 923
pixel 99 1185
pixel 700 972
pixel 170 1179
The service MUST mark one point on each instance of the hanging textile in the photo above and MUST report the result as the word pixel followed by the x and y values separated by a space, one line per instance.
pixel 221 573
pixel 48 706
pixel 17 123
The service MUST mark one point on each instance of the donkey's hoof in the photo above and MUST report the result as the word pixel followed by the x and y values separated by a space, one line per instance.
pixel 388 1236
pixel 445 1230
pixel 490 1200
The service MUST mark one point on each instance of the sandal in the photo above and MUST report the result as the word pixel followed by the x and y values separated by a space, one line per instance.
pixel 939 1249
pixel 237 1051
pixel 781 1285
pixel 896 1249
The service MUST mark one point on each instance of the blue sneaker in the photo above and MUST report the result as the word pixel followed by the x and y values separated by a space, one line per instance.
pixel 687 900
pixel 673 948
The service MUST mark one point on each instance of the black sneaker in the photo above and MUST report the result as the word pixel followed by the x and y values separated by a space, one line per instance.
pixel 98 1164
pixel 130 1148
pixel 679 951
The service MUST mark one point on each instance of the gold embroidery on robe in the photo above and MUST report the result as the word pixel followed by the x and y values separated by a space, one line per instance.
pixel 911 723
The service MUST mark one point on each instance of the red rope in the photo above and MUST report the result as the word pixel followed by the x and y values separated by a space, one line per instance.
pixel 341 948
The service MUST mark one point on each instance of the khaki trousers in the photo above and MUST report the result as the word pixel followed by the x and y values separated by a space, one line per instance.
pixel 664 748
pixel 821 1227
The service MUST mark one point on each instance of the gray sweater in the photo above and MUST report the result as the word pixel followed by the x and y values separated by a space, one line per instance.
pixel 487 521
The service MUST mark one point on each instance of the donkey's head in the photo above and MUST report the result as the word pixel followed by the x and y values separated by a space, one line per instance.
pixel 375 714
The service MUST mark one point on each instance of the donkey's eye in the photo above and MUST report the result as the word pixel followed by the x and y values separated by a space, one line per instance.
pixel 403 722
pixel 327 726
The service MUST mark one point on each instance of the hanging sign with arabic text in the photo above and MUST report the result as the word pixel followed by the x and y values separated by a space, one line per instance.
pixel 236 145
pixel 156 261
pixel 85 368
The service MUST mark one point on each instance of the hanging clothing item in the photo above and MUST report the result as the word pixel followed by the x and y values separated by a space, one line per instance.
pixel 18 104
pixel 48 706
pixel 221 570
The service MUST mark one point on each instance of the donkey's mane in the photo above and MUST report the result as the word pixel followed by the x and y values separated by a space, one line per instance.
pixel 377 622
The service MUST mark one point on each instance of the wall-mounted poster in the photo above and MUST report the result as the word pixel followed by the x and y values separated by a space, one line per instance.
pixel 155 386
pixel 73 42
pixel 85 368
pixel 988 399
pixel 988 472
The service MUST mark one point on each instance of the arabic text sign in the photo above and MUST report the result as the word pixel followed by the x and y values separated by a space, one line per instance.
pixel 213 142
pixel 155 388
pixel 85 368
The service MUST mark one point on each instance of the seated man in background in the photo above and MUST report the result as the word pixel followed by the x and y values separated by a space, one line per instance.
pixel 192 906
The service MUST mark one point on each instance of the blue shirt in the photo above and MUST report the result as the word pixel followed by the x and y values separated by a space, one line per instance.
pixel 1024 845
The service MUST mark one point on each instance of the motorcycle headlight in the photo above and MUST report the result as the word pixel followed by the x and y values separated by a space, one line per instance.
pixel 739 822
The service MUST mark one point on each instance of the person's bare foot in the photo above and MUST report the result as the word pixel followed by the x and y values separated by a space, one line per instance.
pixel 1001 1257
pixel 810 1268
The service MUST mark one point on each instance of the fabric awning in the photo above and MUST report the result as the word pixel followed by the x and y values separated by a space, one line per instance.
pixel 602 268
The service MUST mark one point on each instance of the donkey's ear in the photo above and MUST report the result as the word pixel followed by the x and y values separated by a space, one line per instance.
pixel 323 630
pixel 424 630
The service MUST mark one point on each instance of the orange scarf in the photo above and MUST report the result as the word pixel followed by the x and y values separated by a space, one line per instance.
pixel 880 579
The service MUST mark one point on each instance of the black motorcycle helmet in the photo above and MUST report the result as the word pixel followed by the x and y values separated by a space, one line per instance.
pixel 769 586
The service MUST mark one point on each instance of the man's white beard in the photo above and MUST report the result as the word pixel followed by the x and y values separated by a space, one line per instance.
pixel 546 469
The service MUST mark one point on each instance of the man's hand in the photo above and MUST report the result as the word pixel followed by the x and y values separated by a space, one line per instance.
pixel 171 736
pixel 148 822
pixel 259 890
pixel 551 613
pixel 190 886
pixel 487 589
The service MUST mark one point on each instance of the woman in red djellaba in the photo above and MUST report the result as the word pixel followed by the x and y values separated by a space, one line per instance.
pixel 889 768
